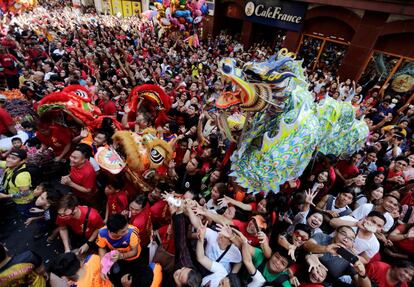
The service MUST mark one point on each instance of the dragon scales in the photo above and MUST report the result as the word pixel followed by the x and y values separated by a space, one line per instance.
pixel 287 126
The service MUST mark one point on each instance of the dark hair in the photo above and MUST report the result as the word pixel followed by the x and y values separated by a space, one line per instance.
pixel 221 187
pixel 303 227
pixel 339 228
pixel 234 280
pixel 16 139
pixel 66 264
pixel 194 279
pixel 27 124
pixel 141 199
pixel 195 107
pixel 391 195
pixel 34 142
pixel 116 183
pixel 116 222
pixel 402 158
pixel 68 201
pixel 403 264
pixel 3 253
pixel 348 190
pixel 53 195
pixel 173 126
pixel 199 161
pixel 84 149
pixel 103 132
pixel 378 214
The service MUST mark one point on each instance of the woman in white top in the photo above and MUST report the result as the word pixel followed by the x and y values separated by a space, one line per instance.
pixel 372 195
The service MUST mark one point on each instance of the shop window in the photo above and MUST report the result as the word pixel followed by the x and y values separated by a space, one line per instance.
pixel 309 50
pixel 331 57
pixel 322 53
pixel 379 68
pixel 401 83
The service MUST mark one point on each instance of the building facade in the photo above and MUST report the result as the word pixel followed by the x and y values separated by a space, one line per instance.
pixel 352 38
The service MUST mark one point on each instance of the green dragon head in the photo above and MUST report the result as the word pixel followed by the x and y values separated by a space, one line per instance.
pixel 257 84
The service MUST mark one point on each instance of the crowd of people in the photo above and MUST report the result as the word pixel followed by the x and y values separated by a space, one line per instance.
pixel 344 222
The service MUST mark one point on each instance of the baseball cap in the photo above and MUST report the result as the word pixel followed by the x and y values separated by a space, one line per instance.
pixel 260 221
pixel 20 153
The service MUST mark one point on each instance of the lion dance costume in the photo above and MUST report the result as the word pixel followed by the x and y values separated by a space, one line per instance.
pixel 140 156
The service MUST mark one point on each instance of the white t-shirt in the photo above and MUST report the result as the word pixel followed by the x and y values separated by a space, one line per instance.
pixel 213 251
pixel 370 246
pixel 258 280
pixel 211 205
pixel 218 273
pixel 318 86
pixel 362 212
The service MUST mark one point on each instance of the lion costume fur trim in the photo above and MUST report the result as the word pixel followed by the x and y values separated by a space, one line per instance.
pixel 126 139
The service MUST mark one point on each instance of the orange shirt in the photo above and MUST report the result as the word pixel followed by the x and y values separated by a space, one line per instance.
pixel 123 244
pixel 93 274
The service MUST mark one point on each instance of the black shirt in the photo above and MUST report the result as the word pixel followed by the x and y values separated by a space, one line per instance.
pixel 187 182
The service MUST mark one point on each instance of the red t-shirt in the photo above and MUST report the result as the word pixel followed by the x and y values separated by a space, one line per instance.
pixel 160 212
pixel 9 63
pixel 167 238
pixel 84 176
pixel 117 202
pixel 405 245
pixel 59 137
pixel 94 222
pixel 143 222
pixel 377 272
pixel 5 121
pixel 408 198
pixel 242 226
pixel 348 170
pixel 108 108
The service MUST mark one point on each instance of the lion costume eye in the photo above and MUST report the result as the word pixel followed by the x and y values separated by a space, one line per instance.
pixel 82 94
pixel 156 157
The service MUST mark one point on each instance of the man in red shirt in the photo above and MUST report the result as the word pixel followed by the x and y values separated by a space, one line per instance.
pixel 83 221
pixel 107 106
pixel 59 138
pixel 384 275
pixel 140 217
pixel 160 213
pixel 82 177
pixel 117 199
pixel 9 65
pixel 6 122
pixel 346 170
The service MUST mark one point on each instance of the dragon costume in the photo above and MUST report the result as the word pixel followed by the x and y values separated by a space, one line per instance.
pixel 140 155
pixel 287 125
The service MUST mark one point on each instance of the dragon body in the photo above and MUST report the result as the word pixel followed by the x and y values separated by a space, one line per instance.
pixel 287 125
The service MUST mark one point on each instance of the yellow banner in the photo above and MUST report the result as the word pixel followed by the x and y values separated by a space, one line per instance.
pixel 126 8
pixel 136 8
pixel 116 7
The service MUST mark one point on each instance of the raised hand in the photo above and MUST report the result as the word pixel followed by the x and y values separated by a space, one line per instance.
pixel 310 195
pixel 225 230
pixel 262 237
pixel 291 251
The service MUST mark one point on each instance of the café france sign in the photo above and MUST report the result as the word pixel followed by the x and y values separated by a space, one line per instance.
pixel 283 14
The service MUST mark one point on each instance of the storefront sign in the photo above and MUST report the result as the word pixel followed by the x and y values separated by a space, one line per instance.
pixel 283 14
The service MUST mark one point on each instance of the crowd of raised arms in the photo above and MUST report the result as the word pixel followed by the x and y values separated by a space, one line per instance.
pixel 344 222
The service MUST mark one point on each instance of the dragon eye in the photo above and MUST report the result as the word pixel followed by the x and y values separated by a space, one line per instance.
pixel 156 157
pixel 226 68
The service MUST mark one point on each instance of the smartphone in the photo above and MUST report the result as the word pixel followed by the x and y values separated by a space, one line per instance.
pixel 348 256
